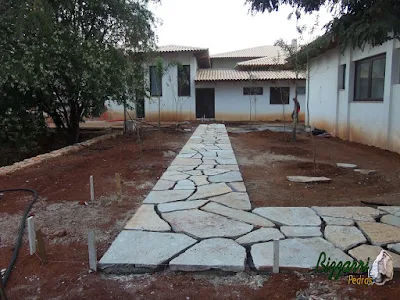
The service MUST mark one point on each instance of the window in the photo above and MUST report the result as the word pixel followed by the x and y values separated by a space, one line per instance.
pixel 155 82
pixel 301 90
pixel 370 79
pixel 249 91
pixel 279 95
pixel 184 80
pixel 342 77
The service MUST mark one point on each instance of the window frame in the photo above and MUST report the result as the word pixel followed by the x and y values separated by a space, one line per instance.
pixel 342 77
pixel 249 91
pixel 280 91
pixel 370 61
pixel 151 82
pixel 179 78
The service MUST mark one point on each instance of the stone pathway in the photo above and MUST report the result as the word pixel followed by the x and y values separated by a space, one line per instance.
pixel 198 217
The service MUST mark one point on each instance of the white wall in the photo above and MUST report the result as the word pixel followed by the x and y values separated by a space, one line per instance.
pixel 371 123
pixel 232 105
pixel 170 102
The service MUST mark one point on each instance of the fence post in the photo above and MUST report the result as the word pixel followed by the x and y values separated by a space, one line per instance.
pixel 276 257
pixel 91 188
pixel 31 235
pixel 92 251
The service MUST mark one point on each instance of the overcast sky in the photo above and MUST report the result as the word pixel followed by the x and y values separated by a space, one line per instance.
pixel 225 25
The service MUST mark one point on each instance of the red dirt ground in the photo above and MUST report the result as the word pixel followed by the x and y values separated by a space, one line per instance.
pixel 266 158
pixel 63 182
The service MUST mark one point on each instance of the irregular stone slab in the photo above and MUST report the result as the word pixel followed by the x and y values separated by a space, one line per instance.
pixel 296 253
pixel 209 162
pixel 163 185
pixel 391 220
pixel 198 156
pixel 344 237
pixel 238 186
pixel 393 210
pixel 205 167
pixel 231 176
pixel 199 180
pixel 365 252
pixel 291 216
pixel 194 173
pixel 346 166
pixel 184 185
pixel 301 231
pixel 186 155
pixel 380 234
pixel 260 235
pixel 228 167
pixel 307 179
pixel 146 218
pixel 181 168
pixel 225 146
pixel 226 161
pixel 365 171
pixel 221 254
pixel 210 190
pixel 338 221
pixel 209 154
pixel 156 197
pixel 200 224
pixel 126 252
pixel 181 205
pixel 234 200
pixel 394 247
pixel 210 172
pixel 186 162
pixel 225 154
pixel 174 176
pixel 349 212
pixel 236 214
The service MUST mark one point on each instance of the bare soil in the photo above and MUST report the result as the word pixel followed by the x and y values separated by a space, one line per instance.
pixel 63 186
pixel 266 158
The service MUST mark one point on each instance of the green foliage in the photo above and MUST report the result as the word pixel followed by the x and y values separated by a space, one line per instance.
pixel 355 23
pixel 70 56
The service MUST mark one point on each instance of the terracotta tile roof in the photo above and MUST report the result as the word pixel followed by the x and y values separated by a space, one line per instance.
pixel 256 52
pixel 264 61
pixel 177 48
pixel 238 75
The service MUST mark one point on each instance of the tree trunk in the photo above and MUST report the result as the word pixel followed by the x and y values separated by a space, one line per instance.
pixel 159 113
pixel 73 126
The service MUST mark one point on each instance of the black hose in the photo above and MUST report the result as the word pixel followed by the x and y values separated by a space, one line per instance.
pixel 20 232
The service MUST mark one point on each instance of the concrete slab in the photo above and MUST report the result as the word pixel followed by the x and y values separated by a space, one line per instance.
pixel 216 254
pixel 238 215
pixel 181 205
pixel 344 237
pixel 231 176
pixel 134 250
pixel 234 200
pixel 365 252
pixel 355 213
pixel 201 225
pixel 290 216
pixel 260 235
pixel 296 253
pixel 156 197
pixel 380 234
pixel 146 218
pixel 210 190
pixel 391 220
pixel 301 231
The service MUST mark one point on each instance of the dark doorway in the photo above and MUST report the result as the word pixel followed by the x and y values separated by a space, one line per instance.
pixel 205 103
pixel 140 109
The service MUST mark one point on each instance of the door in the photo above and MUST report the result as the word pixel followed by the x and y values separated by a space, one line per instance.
pixel 140 108
pixel 205 103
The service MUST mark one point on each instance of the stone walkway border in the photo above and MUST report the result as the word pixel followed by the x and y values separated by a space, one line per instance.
pixel 198 217
pixel 56 153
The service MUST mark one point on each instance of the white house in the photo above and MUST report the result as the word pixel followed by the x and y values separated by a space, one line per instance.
pixel 244 85
pixel 355 94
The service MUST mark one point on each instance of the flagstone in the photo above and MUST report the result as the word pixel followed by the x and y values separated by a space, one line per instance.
pixel 234 200
pixel 365 252
pixel 163 185
pixel 301 231
pixel 145 218
pixel 180 205
pixel 379 234
pixel 291 216
pixel 210 190
pixel 156 197
pixel 355 213
pixel 344 237
pixel 260 235
pixel 393 210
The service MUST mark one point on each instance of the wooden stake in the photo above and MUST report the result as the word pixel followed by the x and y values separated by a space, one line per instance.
pixel 91 188
pixel 276 257
pixel 92 251
pixel 40 246
pixel 118 184
pixel 31 235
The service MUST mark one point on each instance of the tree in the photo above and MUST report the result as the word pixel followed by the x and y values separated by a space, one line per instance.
pixel 355 22
pixel 70 56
